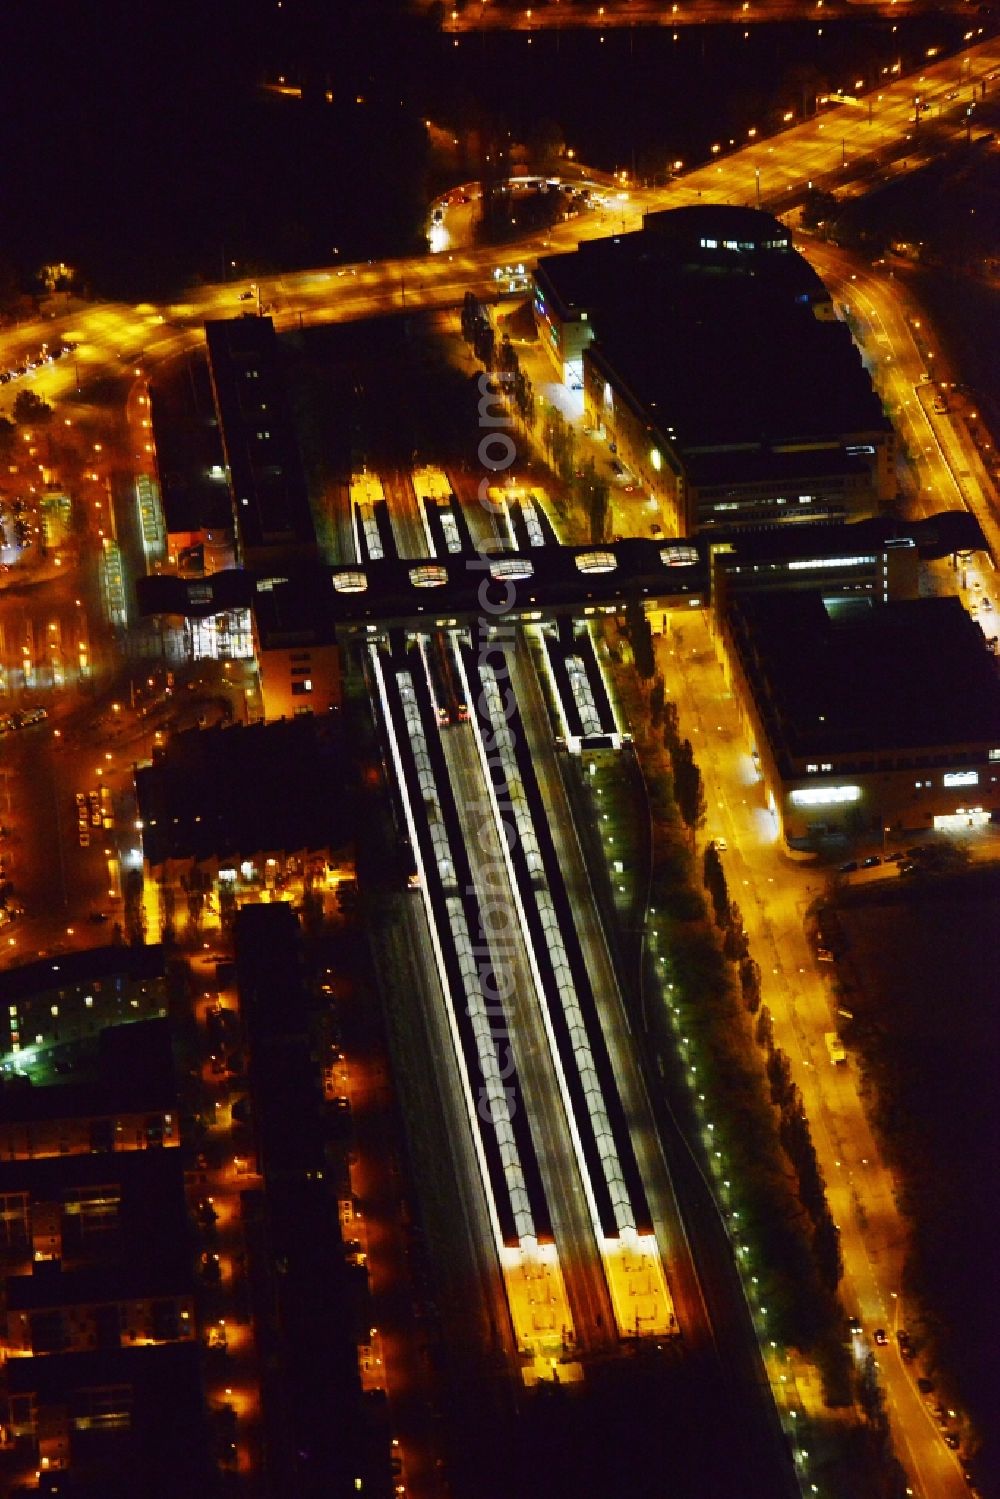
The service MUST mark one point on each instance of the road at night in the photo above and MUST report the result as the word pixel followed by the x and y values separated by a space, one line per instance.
pixel 774 893
pixel 826 151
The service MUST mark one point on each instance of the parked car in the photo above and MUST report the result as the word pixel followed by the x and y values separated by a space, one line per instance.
pixel 881 1337
pixel 872 862
pixel 849 867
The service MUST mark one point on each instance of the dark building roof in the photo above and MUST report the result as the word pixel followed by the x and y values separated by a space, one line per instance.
pixel 295 611
pixel 742 467
pixel 284 1078
pixel 934 536
pixel 721 221
pixel 144 1251
pixel 267 481
pixel 911 675
pixel 92 963
pixel 187 446
pixel 163 1451
pixel 717 346
pixel 132 1072
pixel 599 272
pixel 720 361
pixel 236 793
pixel 302 1315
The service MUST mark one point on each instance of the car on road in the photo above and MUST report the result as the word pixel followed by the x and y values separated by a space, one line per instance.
pixel 854 1327
pixel 881 1337
pixel 907 866
pixel 849 867
pixel 872 862
pixel 720 844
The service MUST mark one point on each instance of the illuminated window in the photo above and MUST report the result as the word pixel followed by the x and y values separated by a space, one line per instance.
pixel 511 567
pixel 961 778
pixel 350 582
pixel 656 458
pixel 801 563
pixel 428 576
pixel 825 796
pixel 679 556
pixel 596 562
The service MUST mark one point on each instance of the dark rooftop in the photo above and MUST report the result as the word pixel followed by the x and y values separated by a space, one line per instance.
pixel 935 536
pixel 163 1450
pixel 742 467
pixel 187 446
pixel 718 346
pixel 267 480
pixel 143 1251
pixel 302 1314
pixel 133 1072
pixel 911 675
pixel 92 963
pixel 236 793
pixel 295 611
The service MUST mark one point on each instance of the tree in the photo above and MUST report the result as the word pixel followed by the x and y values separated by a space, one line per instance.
pixel 750 984
pixel 689 792
pixel 546 142
pixel 764 1029
pixel 507 356
pixel 714 878
pixel 30 410
pixel 826 1249
pixel 671 726
pixel 599 505
pixel 642 639
pixel 779 1078
pixel 524 398
pixel 735 942
pixel 8 431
